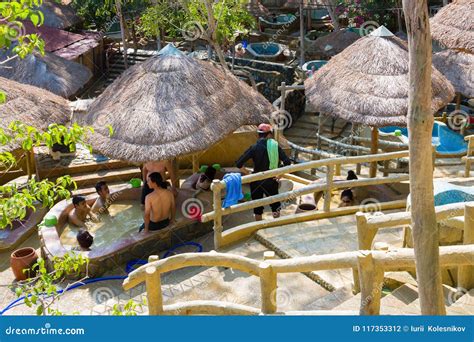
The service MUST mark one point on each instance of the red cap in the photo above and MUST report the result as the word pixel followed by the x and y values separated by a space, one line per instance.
pixel 264 128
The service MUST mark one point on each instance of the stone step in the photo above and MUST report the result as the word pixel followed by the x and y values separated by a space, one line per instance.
pixel 399 300
pixel 56 171
pixel 88 190
pixel 463 303
pixel 331 300
pixel 116 175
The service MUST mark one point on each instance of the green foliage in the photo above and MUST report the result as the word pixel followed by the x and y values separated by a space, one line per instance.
pixel 166 16
pixel 41 290
pixel 360 11
pixel 129 309
pixel 97 14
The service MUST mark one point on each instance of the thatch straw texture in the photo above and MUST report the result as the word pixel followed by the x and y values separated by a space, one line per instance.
pixel 59 15
pixel 453 25
pixel 367 83
pixel 31 105
pixel 50 72
pixel 172 105
pixel 331 44
pixel 458 67
pixel 256 8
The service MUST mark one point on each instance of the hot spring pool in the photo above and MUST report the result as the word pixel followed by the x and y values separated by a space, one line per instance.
pixel 265 50
pixel 122 221
pixel 446 140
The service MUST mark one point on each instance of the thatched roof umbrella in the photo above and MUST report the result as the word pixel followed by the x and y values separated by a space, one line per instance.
pixel 367 83
pixel 32 106
pixel 172 105
pixel 458 67
pixel 50 72
pixel 59 15
pixel 453 25
pixel 332 44
pixel 256 8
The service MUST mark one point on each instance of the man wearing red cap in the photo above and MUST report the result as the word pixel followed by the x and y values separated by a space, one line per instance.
pixel 261 155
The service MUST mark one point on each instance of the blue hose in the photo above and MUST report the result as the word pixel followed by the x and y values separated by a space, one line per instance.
pixel 130 267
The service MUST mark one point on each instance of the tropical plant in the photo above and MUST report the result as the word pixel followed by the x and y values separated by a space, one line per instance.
pixel 42 290
pixel 359 11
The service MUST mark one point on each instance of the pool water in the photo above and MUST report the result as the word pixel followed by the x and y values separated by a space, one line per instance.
pixel 446 140
pixel 269 49
pixel 123 220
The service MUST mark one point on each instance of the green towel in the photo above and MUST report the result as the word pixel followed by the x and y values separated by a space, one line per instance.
pixel 272 150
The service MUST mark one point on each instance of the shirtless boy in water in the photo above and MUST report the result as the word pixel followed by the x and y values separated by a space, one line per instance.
pixel 81 211
pixel 160 208
pixel 102 202
pixel 161 167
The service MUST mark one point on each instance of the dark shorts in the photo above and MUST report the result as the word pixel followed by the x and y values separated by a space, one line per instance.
pixel 145 191
pixel 266 187
pixel 156 225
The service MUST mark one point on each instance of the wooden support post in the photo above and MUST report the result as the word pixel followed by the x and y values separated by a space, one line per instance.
pixel 466 273
pixel 386 165
pixel 320 123
pixel 371 283
pixel 281 111
pixel 195 160
pixel 327 192
pixel 337 170
pixel 153 290
pixel 365 236
pixel 374 147
pixel 268 286
pixel 217 206
pixel 433 155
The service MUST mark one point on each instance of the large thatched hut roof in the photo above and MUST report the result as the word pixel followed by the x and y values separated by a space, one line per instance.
pixel 59 15
pixel 368 82
pixel 50 72
pixel 172 105
pixel 453 25
pixel 458 67
pixel 331 44
pixel 31 105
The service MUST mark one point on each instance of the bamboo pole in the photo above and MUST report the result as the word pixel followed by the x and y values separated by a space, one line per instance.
pixel 329 184
pixel 420 124
pixel 216 192
pixel 268 286
pixel 374 147
pixel 153 290
pixel 118 7
pixel 282 109
pixel 371 282
pixel 195 161
pixel 301 34
pixel 466 273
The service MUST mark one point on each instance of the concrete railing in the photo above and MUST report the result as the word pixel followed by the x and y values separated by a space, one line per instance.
pixel 368 226
pixel 331 165
pixel 370 264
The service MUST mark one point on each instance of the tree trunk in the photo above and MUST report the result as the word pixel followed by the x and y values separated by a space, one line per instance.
pixel 420 124
pixel 118 7
pixel 331 5
pixel 212 34
pixel 301 33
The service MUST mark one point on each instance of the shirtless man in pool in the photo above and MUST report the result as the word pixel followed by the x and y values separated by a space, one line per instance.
pixel 160 207
pixel 161 167
pixel 81 211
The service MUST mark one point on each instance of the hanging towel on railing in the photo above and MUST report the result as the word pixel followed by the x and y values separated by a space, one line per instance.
pixel 233 195
pixel 272 150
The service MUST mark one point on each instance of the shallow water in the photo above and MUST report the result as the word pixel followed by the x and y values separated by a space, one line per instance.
pixel 123 220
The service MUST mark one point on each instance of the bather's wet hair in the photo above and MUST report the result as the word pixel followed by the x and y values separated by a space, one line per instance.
pixel 347 194
pixel 156 178
pixel 76 200
pixel 84 239
pixel 99 185
pixel 351 175
pixel 209 174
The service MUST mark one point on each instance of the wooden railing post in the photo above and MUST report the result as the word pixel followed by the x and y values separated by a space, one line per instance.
pixel 466 273
pixel 217 206
pixel 371 283
pixel 153 290
pixel 268 286
pixel 327 192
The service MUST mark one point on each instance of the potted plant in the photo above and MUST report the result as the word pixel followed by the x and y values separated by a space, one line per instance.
pixel 21 262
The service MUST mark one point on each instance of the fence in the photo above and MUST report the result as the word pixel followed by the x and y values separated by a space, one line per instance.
pixel 331 165
pixel 469 158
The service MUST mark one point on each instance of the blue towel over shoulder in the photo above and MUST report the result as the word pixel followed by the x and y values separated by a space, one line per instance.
pixel 233 182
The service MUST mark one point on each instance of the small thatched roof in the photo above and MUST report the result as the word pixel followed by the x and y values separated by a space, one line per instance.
pixel 368 82
pixel 172 105
pixel 59 15
pixel 50 72
pixel 458 67
pixel 453 25
pixel 31 105
pixel 256 8
pixel 331 44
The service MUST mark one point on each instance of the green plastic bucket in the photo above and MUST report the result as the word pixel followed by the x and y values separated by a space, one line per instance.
pixel 50 220
pixel 136 182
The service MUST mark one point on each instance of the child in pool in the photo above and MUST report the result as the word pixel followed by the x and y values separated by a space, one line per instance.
pixel 102 202
pixel 80 213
